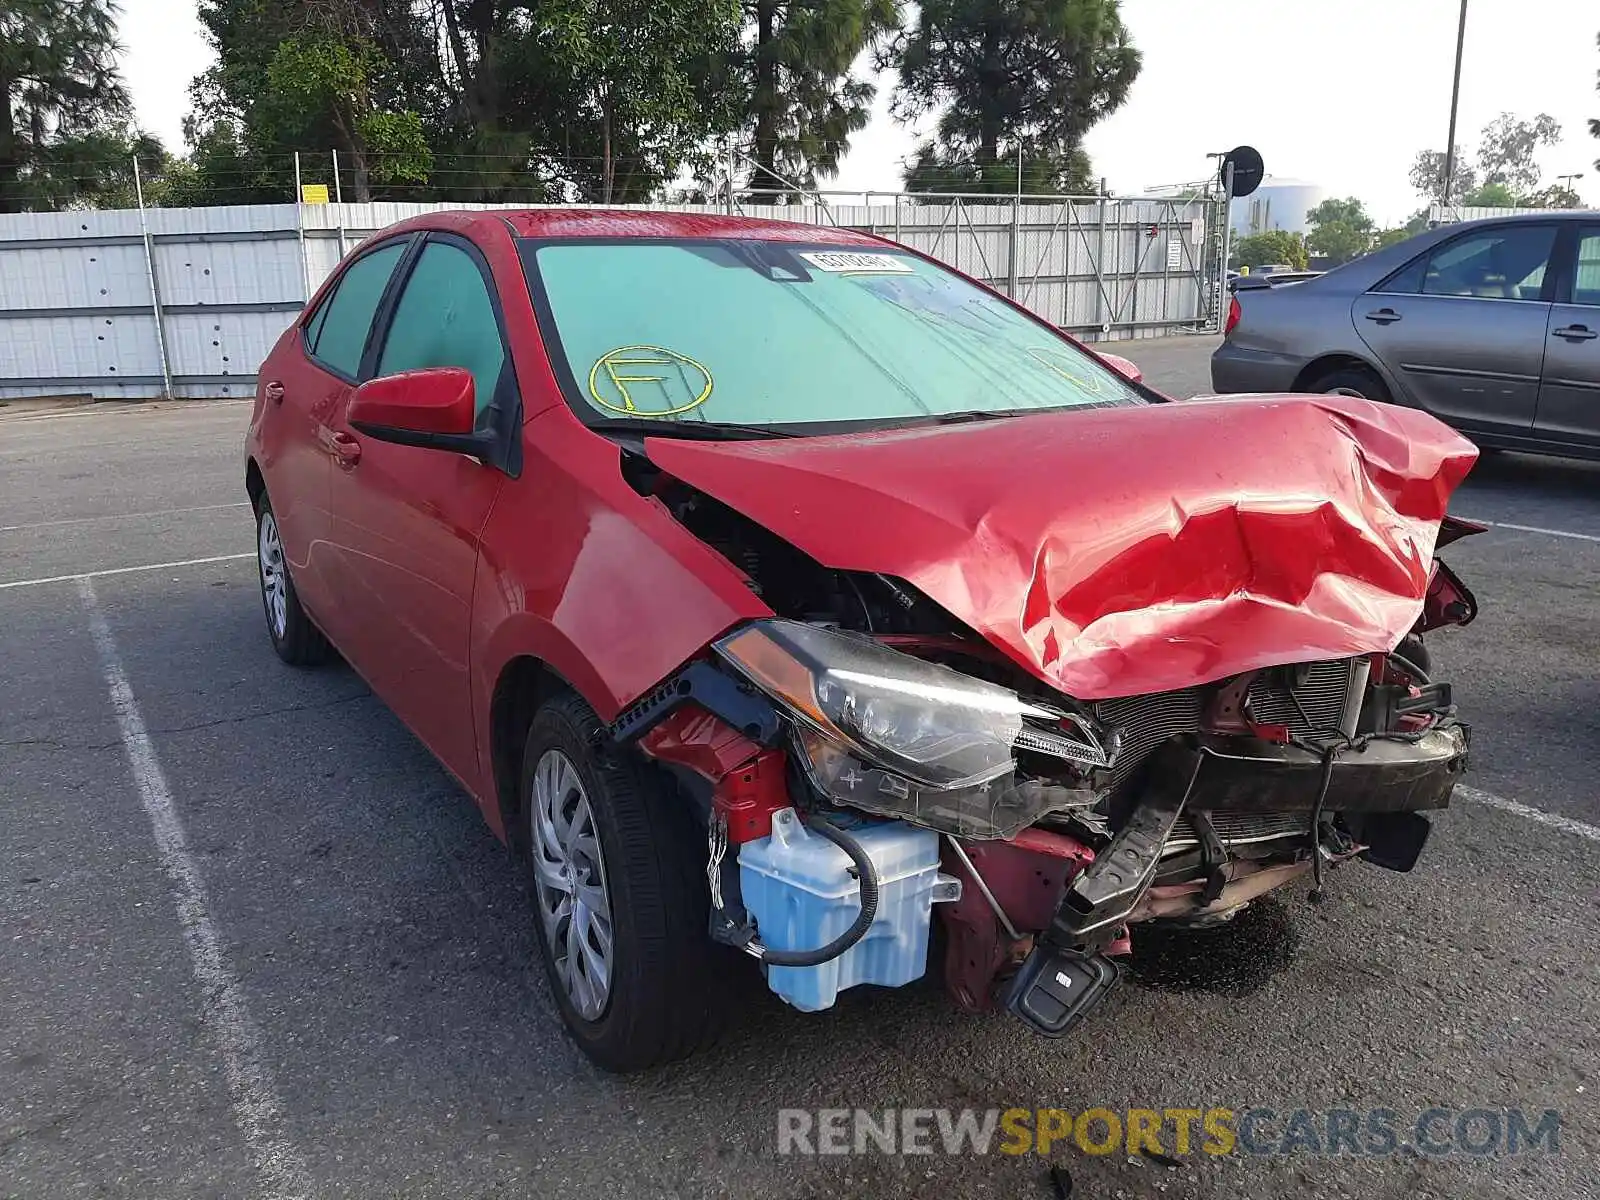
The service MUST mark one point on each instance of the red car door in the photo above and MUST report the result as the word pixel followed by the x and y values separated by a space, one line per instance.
pixel 308 378
pixel 406 521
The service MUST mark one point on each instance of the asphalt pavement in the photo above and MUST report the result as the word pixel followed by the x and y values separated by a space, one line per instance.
pixel 255 943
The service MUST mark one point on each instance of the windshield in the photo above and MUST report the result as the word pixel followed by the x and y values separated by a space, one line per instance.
pixel 771 334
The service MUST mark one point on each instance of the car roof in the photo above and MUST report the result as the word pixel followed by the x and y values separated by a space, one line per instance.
pixel 635 223
pixel 1361 273
pixel 1543 216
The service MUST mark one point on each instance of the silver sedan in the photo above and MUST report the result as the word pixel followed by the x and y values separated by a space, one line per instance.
pixel 1492 326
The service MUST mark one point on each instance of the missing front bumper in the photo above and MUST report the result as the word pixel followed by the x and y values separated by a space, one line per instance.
pixel 1377 776
pixel 1366 783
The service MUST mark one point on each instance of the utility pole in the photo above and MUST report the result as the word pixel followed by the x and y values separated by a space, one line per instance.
pixel 1016 225
pixel 155 286
pixel 1455 98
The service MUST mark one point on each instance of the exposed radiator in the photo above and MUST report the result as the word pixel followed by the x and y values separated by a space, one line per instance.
pixel 1317 704
pixel 1146 722
pixel 1241 829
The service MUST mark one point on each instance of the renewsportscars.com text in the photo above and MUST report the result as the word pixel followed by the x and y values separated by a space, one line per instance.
pixel 1174 1132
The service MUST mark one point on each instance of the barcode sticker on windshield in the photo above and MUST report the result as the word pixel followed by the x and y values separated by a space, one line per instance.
pixel 851 261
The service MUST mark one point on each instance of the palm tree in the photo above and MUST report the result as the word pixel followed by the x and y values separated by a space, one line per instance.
pixel 58 80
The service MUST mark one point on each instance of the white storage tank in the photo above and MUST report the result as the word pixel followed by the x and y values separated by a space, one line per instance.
pixel 803 893
pixel 1279 203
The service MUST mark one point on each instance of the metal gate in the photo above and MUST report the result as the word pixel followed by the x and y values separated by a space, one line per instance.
pixel 186 302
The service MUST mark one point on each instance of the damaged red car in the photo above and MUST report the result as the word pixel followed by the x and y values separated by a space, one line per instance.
pixel 775 589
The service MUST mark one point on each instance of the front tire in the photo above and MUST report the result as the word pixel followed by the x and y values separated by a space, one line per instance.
pixel 620 896
pixel 297 641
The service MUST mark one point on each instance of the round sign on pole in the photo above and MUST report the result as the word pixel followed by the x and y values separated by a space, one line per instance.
pixel 1247 169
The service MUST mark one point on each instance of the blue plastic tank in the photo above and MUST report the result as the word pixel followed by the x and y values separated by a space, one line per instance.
pixel 799 888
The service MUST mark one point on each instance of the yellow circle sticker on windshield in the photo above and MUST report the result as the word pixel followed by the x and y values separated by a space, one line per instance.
pixel 648 381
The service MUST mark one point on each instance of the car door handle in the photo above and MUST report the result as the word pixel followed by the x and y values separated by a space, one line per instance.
pixel 274 392
pixel 345 448
pixel 1384 316
pixel 1576 333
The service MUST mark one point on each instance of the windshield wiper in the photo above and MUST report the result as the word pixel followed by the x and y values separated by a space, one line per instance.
pixel 966 415
pixel 710 431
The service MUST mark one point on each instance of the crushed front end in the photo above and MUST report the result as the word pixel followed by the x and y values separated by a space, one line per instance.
pixel 1057 827
pixel 1055 698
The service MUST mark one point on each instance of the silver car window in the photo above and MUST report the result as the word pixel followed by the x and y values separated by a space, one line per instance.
pixel 1586 282
pixel 1505 263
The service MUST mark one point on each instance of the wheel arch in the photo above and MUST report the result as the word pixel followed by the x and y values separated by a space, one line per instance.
pixel 255 483
pixel 523 684
pixel 1339 361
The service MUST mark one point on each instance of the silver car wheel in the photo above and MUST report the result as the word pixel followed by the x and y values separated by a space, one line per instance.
pixel 570 878
pixel 274 582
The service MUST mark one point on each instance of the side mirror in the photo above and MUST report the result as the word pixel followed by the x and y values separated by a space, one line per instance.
pixel 432 409
pixel 1122 367
pixel 432 401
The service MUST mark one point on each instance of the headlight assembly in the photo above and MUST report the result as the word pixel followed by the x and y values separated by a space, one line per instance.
pixel 887 732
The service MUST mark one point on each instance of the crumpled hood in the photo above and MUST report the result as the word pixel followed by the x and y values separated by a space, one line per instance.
pixel 1121 551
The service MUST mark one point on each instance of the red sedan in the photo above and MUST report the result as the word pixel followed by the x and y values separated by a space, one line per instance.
pixel 776 589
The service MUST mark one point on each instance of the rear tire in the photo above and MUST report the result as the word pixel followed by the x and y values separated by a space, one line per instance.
pixel 650 947
pixel 1350 381
pixel 297 641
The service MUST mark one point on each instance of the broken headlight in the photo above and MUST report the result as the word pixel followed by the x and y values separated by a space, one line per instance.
pixel 882 731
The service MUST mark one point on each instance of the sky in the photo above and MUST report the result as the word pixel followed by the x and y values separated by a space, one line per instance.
pixel 1340 93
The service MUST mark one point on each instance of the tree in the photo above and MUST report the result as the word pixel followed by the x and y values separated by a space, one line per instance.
pixel 1427 174
pixel 789 86
pixel 1554 196
pixel 95 170
pixel 1272 246
pixel 58 82
pixel 1013 78
pixel 1340 230
pixel 1417 224
pixel 472 100
pixel 320 79
pixel 1507 169
pixel 634 66
pixel 499 98
pixel 1071 173
pixel 309 75
pixel 219 169
pixel 1594 124
pixel 1507 146
pixel 1490 195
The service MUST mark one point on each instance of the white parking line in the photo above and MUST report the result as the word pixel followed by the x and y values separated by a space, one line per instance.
pixel 1560 533
pixel 165 512
pixel 1537 815
pixel 222 1000
pixel 81 575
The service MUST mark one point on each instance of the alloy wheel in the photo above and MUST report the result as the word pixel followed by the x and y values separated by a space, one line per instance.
pixel 274 582
pixel 570 878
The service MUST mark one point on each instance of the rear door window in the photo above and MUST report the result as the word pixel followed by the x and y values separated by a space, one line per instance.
pixel 338 332
pixel 1586 279
pixel 446 318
